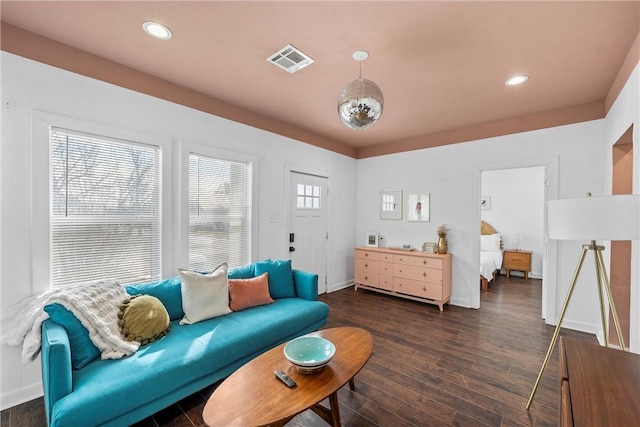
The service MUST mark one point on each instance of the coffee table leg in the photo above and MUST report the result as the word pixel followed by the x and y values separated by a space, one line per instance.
pixel 331 416
pixel 352 384
pixel 335 409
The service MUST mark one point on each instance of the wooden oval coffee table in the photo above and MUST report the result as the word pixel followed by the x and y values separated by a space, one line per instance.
pixel 253 396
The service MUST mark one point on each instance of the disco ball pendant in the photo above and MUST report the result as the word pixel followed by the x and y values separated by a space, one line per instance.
pixel 360 104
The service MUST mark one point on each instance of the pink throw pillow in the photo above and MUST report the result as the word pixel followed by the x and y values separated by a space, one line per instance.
pixel 245 293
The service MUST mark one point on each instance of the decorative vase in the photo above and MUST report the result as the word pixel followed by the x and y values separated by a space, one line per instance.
pixel 442 244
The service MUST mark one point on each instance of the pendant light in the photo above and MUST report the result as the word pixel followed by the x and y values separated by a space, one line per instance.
pixel 361 101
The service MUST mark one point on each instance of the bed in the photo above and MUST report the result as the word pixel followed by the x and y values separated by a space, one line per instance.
pixel 490 254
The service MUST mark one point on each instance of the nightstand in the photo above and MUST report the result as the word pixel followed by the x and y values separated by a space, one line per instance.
pixel 517 260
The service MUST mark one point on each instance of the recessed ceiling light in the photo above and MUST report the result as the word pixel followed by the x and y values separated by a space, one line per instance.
pixel 156 30
pixel 516 80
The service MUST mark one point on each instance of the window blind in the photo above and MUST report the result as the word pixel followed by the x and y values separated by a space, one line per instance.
pixel 219 212
pixel 105 209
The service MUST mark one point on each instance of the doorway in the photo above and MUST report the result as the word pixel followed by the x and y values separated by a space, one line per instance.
pixel 549 247
pixel 307 230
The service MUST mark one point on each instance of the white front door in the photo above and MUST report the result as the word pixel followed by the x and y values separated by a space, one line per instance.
pixel 307 235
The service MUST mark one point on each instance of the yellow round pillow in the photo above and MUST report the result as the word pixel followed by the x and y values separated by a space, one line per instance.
pixel 143 318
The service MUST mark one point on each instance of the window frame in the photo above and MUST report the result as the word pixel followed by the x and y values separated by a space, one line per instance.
pixel 182 151
pixel 41 123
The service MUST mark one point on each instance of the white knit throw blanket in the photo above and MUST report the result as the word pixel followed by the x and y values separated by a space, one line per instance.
pixel 94 304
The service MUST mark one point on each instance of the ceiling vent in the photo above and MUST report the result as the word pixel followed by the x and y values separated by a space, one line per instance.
pixel 291 59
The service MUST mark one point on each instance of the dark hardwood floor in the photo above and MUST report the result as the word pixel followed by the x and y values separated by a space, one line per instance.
pixel 461 367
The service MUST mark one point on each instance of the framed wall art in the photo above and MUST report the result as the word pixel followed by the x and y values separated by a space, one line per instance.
pixel 418 207
pixel 391 204
pixel 429 247
pixel 485 203
pixel 372 240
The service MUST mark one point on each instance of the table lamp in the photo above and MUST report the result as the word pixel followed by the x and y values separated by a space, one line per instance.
pixel 615 217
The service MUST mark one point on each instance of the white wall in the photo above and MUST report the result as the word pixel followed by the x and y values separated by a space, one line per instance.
pixel 624 113
pixel 517 210
pixel 448 173
pixel 28 86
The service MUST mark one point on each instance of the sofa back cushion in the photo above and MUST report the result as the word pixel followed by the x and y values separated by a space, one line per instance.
pixel 280 277
pixel 243 272
pixel 82 349
pixel 167 291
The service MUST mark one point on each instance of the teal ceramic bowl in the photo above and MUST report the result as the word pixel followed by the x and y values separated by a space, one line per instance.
pixel 309 352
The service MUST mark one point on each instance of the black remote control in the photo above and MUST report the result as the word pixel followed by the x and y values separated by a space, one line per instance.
pixel 285 378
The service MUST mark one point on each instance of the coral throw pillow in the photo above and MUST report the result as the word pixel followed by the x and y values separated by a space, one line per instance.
pixel 245 293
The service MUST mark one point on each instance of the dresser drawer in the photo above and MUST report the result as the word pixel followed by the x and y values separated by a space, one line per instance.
pixel 417 288
pixel 366 278
pixel 372 255
pixel 386 268
pixel 367 265
pixel 515 260
pixel 385 282
pixel 422 262
pixel 418 273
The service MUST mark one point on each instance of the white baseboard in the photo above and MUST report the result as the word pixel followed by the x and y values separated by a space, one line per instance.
pixel 21 396
pixel 338 286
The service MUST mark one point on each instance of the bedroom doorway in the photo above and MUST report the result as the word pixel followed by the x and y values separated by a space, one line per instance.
pixel 514 206
pixel 515 196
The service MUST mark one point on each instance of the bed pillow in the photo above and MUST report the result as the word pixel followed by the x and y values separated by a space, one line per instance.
pixel 280 277
pixel 490 243
pixel 143 318
pixel 204 296
pixel 83 350
pixel 246 293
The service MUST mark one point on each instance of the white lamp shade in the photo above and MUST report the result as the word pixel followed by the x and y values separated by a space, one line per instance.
pixel 615 217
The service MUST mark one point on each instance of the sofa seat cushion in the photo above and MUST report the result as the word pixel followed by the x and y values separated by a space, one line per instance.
pixel 186 354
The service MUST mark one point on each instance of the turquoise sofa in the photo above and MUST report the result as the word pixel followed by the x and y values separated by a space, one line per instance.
pixel 189 358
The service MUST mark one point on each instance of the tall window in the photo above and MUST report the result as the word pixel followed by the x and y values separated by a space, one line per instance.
pixel 219 212
pixel 105 209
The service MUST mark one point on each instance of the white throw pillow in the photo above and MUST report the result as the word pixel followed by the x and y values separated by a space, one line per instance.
pixel 204 295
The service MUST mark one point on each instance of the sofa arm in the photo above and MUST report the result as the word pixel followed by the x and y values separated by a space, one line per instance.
pixel 306 284
pixel 56 364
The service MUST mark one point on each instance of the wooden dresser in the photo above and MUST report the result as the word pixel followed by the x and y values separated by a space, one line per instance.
pixel 414 275
pixel 517 260
pixel 599 386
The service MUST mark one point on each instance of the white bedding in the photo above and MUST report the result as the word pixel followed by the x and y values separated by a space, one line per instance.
pixel 489 262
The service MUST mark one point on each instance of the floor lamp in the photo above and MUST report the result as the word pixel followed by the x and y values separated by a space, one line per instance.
pixel 614 217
